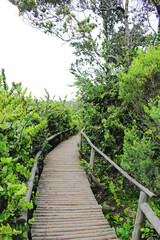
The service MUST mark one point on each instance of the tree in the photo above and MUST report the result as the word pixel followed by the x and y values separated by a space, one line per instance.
pixel 99 61
pixel 65 17
pixel 57 17
pixel 152 6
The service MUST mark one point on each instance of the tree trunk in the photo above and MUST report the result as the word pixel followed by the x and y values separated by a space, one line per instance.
pixel 158 11
pixel 126 25
pixel 157 6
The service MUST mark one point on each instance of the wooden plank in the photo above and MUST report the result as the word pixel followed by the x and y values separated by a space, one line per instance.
pixel 68 218
pixel 70 207
pixel 71 226
pixel 64 222
pixel 77 238
pixel 139 218
pixel 92 158
pixel 73 229
pixel 59 236
pixel 148 212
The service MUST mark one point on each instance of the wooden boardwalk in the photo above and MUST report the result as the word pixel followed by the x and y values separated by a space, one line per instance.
pixel 66 207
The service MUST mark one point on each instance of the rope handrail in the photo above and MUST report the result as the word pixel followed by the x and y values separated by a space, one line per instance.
pixel 23 216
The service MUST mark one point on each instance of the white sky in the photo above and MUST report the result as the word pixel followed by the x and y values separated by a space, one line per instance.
pixel 29 56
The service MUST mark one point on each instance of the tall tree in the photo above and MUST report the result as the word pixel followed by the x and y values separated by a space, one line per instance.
pixel 126 23
pixel 70 19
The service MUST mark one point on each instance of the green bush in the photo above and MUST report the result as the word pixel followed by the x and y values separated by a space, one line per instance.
pixel 138 159
pixel 142 80
pixel 25 123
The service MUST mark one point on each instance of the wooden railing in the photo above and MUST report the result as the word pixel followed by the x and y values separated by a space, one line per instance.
pixel 23 216
pixel 143 207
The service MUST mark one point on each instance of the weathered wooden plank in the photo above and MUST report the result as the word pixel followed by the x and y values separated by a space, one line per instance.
pixel 92 158
pixel 59 213
pixel 69 213
pixel 71 208
pixel 62 231
pixel 68 218
pixel 68 188
pixel 58 236
pixel 148 212
pixel 69 227
pixel 139 217
pixel 77 238
pixel 64 222
pixel 68 200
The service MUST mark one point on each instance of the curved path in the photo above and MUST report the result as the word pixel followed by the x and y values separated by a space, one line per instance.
pixel 66 207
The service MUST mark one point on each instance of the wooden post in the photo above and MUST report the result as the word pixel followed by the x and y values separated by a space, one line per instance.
pixel 60 138
pixel 152 217
pixel 92 158
pixel 81 142
pixel 139 217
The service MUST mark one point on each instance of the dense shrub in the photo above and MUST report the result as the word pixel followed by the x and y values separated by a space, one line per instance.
pixel 25 123
pixel 122 118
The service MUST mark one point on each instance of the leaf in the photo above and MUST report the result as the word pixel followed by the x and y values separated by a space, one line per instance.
pixel 5 215
pixel 24 234
pixel 4 169
pixel 22 191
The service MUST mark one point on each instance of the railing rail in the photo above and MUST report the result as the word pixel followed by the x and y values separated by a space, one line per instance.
pixel 23 216
pixel 140 186
pixel 143 207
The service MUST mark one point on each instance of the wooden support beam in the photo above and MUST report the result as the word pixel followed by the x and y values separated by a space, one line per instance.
pixel 81 148
pixel 153 219
pixel 92 158
pixel 139 217
pixel 95 180
pixel 107 207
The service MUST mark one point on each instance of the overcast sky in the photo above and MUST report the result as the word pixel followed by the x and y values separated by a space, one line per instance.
pixel 29 56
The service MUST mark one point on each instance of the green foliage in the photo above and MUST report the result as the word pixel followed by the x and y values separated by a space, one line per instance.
pixel 25 123
pixel 122 118
pixel 58 116
pixel 6 232
pixel 57 17
pixel 152 119
pixel 112 189
pixel 125 230
pixel 148 231
pixel 85 164
pixel 141 82
pixel 139 158
pixel 139 91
